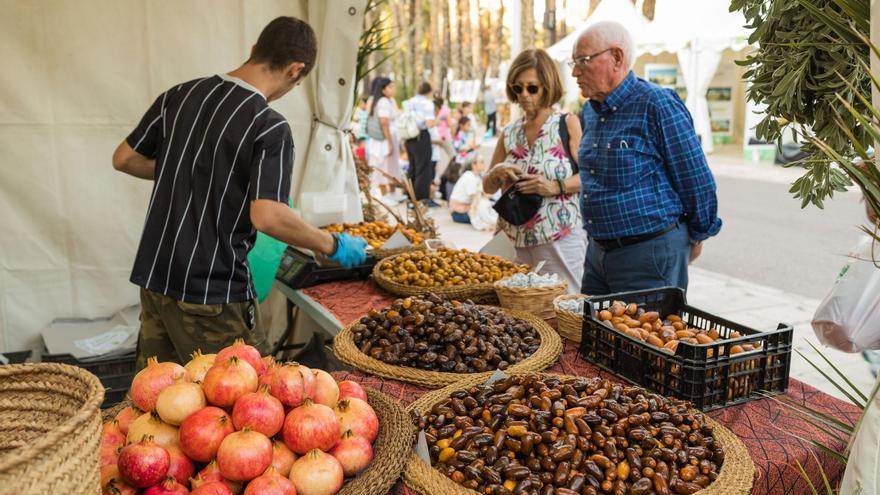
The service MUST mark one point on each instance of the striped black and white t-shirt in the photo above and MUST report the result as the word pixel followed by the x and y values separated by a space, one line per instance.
pixel 218 146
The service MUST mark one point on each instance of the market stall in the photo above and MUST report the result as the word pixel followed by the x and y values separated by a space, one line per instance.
pixel 762 425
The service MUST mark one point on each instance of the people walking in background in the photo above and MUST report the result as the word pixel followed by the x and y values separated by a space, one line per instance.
pixel 361 116
pixel 491 111
pixel 419 148
pixel 532 156
pixel 444 119
pixel 648 195
pixel 467 110
pixel 465 142
pixel 385 153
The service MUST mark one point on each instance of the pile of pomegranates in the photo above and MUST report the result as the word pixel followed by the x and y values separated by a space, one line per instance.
pixel 236 422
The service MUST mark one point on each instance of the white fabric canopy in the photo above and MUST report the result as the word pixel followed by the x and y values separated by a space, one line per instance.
pixel 84 73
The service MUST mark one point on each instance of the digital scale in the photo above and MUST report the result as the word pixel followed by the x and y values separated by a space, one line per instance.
pixel 299 270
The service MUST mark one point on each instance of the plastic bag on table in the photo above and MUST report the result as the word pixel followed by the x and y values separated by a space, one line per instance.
pixel 847 318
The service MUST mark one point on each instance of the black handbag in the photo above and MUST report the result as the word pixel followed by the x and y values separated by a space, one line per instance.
pixel 517 208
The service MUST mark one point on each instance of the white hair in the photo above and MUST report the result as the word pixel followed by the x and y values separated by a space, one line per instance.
pixel 610 34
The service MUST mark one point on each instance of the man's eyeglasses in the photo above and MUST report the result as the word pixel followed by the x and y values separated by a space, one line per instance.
pixel 583 61
pixel 531 88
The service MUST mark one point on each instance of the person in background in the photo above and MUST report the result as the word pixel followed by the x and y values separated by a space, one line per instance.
pixel 491 111
pixel 468 188
pixel 360 149
pixel 648 195
pixel 444 119
pixel 208 202
pixel 467 110
pixel 361 116
pixel 385 153
pixel 530 153
pixel 419 148
pixel 449 177
pixel 465 142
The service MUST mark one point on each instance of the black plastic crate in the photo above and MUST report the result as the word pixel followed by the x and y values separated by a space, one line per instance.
pixel 101 367
pixel 115 388
pixel 705 374
pixel 16 357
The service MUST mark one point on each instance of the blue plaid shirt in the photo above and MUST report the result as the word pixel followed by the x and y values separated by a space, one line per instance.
pixel 642 167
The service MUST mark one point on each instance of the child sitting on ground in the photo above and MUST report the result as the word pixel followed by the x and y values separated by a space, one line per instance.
pixel 467 203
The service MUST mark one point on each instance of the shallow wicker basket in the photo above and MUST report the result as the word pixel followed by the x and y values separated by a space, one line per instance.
pixel 478 293
pixel 736 476
pixel 568 323
pixel 535 300
pixel 50 429
pixel 347 351
pixel 381 254
pixel 390 450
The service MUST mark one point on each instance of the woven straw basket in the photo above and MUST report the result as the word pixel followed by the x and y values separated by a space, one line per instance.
pixel 50 429
pixel 345 349
pixel 381 254
pixel 535 300
pixel 391 448
pixel 478 293
pixel 736 476
pixel 569 324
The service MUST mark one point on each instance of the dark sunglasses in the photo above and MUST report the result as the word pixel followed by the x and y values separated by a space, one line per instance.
pixel 531 88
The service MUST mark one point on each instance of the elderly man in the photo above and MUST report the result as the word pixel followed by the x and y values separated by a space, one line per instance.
pixel 648 196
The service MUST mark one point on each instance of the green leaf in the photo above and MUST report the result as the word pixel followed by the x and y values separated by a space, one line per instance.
pixel 839 387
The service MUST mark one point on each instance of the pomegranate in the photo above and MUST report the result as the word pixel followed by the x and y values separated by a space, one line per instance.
pixel 180 466
pixel 270 483
pixel 168 487
pixel 153 379
pixel 266 378
pixel 112 482
pixel 282 458
pixel 292 384
pixel 111 440
pixel 144 463
pixel 348 389
pixel 202 433
pixel 226 381
pixel 311 426
pixel 126 416
pixel 212 473
pixel 316 473
pixel 244 455
pixel 151 425
pixel 353 452
pixel 198 365
pixel 356 415
pixel 259 411
pixel 180 400
pixel 326 391
pixel 244 352
pixel 211 488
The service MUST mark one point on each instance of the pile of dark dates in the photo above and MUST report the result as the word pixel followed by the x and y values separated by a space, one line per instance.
pixel 541 435
pixel 451 336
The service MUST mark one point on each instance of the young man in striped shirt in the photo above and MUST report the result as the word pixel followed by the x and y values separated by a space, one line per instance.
pixel 221 161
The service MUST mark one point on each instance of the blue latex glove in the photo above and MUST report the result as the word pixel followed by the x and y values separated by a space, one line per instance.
pixel 350 251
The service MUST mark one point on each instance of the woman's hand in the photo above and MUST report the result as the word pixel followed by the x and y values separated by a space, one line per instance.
pixel 537 184
pixel 503 174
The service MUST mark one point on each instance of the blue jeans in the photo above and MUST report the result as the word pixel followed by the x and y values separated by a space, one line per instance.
pixel 460 217
pixel 658 262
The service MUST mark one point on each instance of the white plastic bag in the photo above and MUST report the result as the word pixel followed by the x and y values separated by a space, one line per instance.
pixel 862 475
pixel 407 127
pixel 849 317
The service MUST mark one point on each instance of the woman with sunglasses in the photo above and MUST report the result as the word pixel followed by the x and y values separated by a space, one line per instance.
pixel 532 157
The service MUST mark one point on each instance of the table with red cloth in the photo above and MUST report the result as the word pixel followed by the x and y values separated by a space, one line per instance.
pixel 764 426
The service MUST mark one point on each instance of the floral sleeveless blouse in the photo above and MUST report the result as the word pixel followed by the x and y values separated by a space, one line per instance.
pixel 558 215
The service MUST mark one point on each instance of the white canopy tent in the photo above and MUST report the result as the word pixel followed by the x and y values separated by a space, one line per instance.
pixel 696 31
pixel 85 71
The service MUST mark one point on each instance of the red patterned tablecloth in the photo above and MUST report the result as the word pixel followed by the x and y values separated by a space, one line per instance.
pixel 763 425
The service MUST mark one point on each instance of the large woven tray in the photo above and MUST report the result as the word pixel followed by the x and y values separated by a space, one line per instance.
pixel 391 448
pixel 381 254
pixel 547 354
pixel 478 293
pixel 736 476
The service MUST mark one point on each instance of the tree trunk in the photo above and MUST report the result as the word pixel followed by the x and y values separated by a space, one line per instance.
pixel 437 44
pixel 401 61
pixel 476 40
pixel 528 24
pixel 419 40
pixel 454 61
pixel 464 37
pixel 493 29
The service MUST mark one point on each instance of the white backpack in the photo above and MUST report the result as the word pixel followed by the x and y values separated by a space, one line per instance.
pixel 407 128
